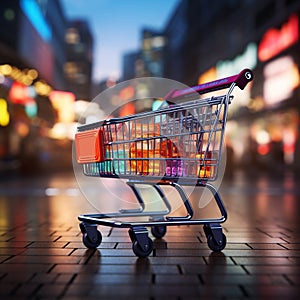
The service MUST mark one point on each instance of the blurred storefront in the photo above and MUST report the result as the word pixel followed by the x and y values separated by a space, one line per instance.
pixel 29 114
pixel 37 114
pixel 264 120
pixel 265 125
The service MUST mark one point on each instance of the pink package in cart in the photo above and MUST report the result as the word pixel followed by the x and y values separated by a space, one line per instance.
pixel 175 167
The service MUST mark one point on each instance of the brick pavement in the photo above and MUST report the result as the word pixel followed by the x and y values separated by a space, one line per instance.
pixel 42 256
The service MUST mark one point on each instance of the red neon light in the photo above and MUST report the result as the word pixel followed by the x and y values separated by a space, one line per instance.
pixel 275 41
pixel 289 148
pixel 18 94
pixel 60 96
pixel 127 93
pixel 263 149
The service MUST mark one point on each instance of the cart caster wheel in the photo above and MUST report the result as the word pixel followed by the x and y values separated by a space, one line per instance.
pixel 158 231
pixel 213 245
pixel 92 244
pixel 139 251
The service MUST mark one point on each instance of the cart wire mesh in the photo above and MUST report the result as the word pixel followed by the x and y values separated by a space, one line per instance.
pixel 182 141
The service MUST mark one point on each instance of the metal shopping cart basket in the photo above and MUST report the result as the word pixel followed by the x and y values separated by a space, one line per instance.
pixel 177 146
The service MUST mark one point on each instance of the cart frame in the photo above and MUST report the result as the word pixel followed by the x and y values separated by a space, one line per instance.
pixel 95 163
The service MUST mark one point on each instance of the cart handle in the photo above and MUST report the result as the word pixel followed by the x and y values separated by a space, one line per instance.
pixel 241 80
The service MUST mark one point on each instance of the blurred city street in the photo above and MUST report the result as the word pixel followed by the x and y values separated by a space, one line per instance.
pixel 42 255
pixel 144 89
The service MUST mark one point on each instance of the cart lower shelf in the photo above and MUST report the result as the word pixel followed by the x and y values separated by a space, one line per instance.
pixel 142 244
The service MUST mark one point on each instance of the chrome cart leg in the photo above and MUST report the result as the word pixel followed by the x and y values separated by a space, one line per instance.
pixel 159 231
pixel 216 239
pixel 138 197
pixel 91 237
pixel 163 197
pixel 134 186
pixel 142 245
pixel 218 200
pixel 186 203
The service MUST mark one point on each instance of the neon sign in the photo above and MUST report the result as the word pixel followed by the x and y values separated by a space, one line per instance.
pixel 63 102
pixel 248 59
pixel 281 79
pixel 275 40
pixel 19 94
pixel 4 114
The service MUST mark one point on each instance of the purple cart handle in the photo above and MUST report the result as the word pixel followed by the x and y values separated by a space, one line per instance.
pixel 241 80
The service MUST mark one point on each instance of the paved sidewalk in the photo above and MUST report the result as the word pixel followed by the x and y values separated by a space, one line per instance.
pixel 42 256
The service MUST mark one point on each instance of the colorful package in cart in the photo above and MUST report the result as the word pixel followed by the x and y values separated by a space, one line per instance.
pixel 119 148
pixel 175 167
pixel 144 130
pixel 120 160
pixel 144 155
pixel 145 159
pixel 207 163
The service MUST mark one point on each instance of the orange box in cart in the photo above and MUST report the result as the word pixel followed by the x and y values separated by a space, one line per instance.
pixel 151 156
pixel 89 146
pixel 207 164
pixel 140 130
pixel 144 156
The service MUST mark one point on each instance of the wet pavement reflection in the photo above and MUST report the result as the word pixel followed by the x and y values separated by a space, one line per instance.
pixel 42 255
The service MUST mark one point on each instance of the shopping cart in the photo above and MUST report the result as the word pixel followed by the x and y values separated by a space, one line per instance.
pixel 176 146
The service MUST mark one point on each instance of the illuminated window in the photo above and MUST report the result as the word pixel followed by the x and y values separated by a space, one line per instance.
pixel 71 69
pixel 158 42
pixel 72 36
pixel 146 44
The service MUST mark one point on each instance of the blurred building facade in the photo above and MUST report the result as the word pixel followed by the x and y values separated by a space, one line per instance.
pixel 206 41
pixel 33 125
pixel 34 37
pixel 149 59
pixel 79 58
pixel 152 54
pixel 130 60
